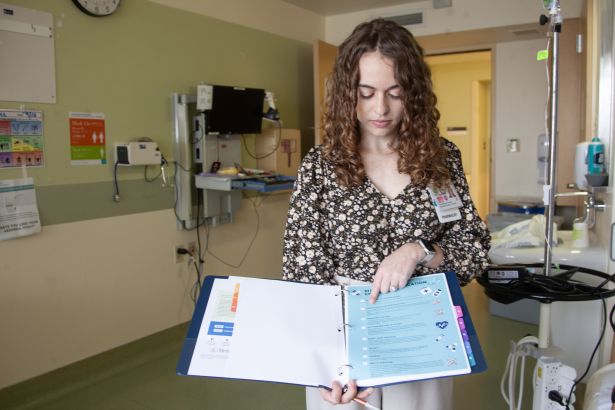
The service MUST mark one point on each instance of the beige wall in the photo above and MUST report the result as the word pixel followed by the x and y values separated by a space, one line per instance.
pixel 81 288
pixel 462 16
pixel 272 16
pixel 520 94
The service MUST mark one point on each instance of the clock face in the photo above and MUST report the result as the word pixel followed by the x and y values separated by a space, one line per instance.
pixel 97 8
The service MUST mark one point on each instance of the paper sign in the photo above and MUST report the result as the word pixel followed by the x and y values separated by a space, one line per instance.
pixel 87 138
pixel 18 210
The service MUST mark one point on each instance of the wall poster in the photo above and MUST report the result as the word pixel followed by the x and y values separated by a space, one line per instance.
pixel 18 211
pixel 87 138
pixel 21 138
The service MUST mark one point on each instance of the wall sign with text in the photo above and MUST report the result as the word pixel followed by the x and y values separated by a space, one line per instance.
pixel 21 138
pixel 87 138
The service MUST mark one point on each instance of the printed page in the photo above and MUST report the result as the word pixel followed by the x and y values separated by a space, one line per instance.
pixel 410 334
pixel 18 211
pixel 269 330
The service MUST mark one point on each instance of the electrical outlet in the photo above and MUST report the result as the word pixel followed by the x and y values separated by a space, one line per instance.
pixel 180 257
pixel 191 246
pixel 226 218
pixel 551 374
pixel 176 255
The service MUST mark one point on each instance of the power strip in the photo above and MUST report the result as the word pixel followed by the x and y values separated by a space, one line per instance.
pixel 503 274
pixel 552 375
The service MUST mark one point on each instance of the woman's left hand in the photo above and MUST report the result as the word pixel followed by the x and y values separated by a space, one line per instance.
pixel 396 269
pixel 339 395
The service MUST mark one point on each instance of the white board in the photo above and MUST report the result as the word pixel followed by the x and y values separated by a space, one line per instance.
pixel 27 60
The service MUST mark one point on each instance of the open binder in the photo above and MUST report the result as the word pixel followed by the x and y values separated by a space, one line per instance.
pixel 306 334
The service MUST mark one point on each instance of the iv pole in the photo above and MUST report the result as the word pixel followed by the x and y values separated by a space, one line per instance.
pixel 555 19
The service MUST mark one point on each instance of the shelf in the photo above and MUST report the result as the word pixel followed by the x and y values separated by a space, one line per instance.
pixel 262 183
pixel 278 183
pixel 598 189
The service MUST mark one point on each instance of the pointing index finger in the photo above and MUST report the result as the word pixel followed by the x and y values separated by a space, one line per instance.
pixel 375 292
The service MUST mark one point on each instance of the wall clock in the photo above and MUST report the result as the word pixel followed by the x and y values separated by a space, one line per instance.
pixel 97 8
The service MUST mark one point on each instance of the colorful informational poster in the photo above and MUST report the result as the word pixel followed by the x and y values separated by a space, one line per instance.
pixel 87 138
pixel 18 210
pixel 21 138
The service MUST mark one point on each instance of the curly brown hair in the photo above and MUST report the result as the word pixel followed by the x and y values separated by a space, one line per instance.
pixel 422 153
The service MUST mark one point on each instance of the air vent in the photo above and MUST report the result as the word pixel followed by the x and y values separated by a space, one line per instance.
pixel 440 4
pixel 408 19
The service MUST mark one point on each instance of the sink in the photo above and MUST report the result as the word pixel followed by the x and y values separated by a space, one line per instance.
pixel 593 257
pixel 577 342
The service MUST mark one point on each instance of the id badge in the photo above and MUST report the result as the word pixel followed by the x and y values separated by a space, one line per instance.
pixel 448 215
pixel 445 198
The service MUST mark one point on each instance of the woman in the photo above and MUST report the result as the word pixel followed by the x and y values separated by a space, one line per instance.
pixel 385 197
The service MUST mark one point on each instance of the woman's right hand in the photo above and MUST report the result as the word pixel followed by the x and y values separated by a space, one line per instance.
pixel 339 395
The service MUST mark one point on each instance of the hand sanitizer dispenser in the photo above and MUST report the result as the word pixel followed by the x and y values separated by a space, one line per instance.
pixel 595 156
pixel 580 165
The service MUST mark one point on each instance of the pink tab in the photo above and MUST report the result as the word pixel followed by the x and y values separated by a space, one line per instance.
pixel 459 311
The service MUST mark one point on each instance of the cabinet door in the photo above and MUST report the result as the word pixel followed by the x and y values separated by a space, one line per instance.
pixel 324 58
pixel 571 105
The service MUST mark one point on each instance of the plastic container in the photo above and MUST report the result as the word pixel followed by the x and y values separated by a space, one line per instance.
pixel 521 207
pixel 580 165
pixel 580 235
pixel 595 157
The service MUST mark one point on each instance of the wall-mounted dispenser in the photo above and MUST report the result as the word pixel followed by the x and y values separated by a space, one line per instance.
pixel 595 156
pixel 580 165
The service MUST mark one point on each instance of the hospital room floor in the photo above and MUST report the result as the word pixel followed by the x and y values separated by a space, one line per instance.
pixel 141 376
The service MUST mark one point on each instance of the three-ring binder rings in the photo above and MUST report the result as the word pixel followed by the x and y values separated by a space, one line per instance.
pixel 299 333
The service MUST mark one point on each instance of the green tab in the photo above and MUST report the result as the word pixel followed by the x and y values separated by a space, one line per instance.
pixel 542 55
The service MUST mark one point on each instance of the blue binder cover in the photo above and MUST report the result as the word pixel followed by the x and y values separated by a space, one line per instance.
pixel 477 361
pixel 195 325
pixel 458 300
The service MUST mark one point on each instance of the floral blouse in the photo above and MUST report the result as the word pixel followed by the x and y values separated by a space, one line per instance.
pixel 332 230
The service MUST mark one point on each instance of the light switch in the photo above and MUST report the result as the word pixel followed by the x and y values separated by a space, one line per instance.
pixel 513 145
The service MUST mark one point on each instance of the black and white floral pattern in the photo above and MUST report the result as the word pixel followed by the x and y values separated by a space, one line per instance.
pixel 333 230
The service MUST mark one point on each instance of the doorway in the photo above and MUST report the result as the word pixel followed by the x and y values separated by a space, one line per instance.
pixel 462 83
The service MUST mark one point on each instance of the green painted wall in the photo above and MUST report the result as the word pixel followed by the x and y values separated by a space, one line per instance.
pixel 127 66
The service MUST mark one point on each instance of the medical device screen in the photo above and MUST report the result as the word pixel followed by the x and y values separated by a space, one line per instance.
pixel 235 110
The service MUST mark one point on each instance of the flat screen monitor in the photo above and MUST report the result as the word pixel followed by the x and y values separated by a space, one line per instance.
pixel 235 110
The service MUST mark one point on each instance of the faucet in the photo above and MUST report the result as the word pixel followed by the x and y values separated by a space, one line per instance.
pixel 590 202
pixel 591 205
